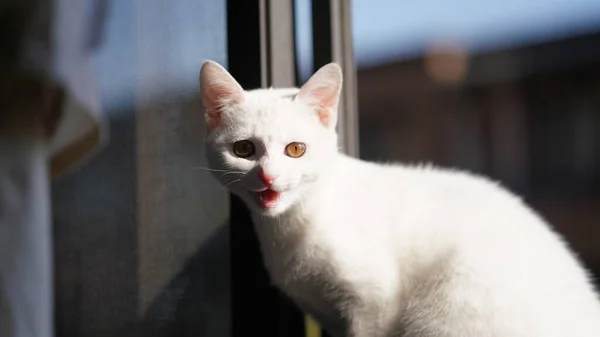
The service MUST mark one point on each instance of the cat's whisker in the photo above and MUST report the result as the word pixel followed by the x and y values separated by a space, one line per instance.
pixel 215 170
pixel 232 182
pixel 231 172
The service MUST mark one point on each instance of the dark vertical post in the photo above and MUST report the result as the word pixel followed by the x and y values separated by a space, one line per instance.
pixel 321 30
pixel 332 42
pixel 249 293
pixel 257 307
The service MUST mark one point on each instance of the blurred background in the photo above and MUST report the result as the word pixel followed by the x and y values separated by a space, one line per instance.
pixel 510 89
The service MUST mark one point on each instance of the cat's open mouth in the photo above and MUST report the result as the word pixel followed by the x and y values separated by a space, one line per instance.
pixel 268 198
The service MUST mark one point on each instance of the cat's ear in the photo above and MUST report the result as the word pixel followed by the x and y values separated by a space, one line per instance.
pixel 322 93
pixel 219 91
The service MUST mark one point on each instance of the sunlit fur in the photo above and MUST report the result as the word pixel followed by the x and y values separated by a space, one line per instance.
pixel 375 250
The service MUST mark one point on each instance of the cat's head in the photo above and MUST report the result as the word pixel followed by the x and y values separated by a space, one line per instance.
pixel 270 146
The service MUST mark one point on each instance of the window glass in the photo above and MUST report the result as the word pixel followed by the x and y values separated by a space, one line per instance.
pixel 140 238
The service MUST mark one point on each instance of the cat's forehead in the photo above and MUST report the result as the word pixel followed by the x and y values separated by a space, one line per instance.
pixel 276 110
pixel 268 100
pixel 274 118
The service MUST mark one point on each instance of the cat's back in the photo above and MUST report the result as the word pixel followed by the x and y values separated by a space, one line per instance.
pixel 379 187
pixel 426 189
pixel 455 208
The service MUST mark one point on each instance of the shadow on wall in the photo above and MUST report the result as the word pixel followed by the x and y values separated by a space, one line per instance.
pixel 140 236
pixel 95 241
pixel 196 302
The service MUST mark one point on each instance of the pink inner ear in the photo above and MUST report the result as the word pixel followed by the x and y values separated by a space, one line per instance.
pixel 219 90
pixel 215 99
pixel 322 92
pixel 325 117
pixel 212 120
pixel 325 101
pixel 212 113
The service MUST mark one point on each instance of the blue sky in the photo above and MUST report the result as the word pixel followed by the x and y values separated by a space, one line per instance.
pixel 387 30
pixel 392 26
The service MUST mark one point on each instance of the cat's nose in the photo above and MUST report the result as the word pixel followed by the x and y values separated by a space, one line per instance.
pixel 265 178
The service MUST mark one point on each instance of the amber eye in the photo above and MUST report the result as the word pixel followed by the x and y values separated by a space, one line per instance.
pixel 295 149
pixel 243 148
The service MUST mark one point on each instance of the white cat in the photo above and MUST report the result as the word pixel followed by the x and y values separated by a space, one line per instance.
pixel 374 250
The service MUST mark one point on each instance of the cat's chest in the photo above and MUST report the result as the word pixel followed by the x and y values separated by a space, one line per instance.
pixel 303 267
pixel 312 278
pixel 316 254
pixel 327 271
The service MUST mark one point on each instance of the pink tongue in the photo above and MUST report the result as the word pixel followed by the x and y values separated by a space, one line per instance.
pixel 268 195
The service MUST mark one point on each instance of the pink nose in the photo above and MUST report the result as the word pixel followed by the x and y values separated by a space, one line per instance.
pixel 267 179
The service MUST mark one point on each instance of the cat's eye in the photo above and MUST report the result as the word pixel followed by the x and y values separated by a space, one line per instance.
pixel 243 148
pixel 295 149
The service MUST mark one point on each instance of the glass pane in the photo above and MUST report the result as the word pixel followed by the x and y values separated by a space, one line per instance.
pixel 505 88
pixel 141 244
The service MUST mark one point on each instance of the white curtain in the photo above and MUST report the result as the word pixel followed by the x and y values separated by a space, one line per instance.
pixel 29 160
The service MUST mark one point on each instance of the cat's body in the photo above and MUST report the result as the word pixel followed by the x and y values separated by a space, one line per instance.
pixel 374 250
pixel 424 251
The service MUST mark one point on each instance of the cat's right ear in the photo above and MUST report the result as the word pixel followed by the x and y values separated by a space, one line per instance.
pixel 219 91
pixel 322 92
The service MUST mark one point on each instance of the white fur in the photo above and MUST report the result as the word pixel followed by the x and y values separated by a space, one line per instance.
pixel 375 250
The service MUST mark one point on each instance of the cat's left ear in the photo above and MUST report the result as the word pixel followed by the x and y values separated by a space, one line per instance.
pixel 219 91
pixel 322 93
